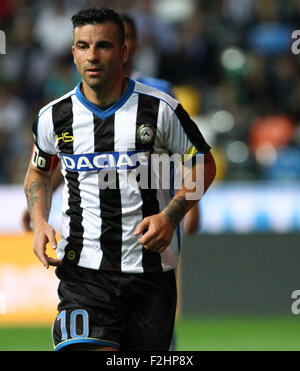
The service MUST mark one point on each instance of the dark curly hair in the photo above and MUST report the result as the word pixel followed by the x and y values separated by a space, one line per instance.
pixel 99 15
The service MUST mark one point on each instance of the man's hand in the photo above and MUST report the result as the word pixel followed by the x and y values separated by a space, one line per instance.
pixel 158 232
pixel 43 234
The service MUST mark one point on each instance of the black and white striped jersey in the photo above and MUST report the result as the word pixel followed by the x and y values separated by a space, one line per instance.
pixel 98 147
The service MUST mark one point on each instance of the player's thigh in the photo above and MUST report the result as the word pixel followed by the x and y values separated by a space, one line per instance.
pixel 90 312
pixel 151 317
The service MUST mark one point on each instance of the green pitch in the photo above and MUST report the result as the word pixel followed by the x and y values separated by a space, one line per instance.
pixel 198 333
pixel 239 334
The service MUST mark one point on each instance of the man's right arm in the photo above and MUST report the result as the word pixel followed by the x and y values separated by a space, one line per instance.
pixel 57 180
pixel 38 191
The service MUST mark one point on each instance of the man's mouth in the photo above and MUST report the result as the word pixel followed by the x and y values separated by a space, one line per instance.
pixel 93 71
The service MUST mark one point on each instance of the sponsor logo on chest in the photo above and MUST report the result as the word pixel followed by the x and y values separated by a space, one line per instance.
pixel 105 160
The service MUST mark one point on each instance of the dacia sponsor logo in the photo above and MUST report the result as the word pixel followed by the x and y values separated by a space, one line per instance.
pixel 105 160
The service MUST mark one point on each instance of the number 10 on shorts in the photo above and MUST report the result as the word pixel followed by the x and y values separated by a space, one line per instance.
pixel 74 332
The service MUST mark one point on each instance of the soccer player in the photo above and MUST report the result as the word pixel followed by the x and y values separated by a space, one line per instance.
pixel 119 245
pixel 191 219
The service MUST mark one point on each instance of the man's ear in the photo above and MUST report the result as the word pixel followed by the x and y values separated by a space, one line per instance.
pixel 124 53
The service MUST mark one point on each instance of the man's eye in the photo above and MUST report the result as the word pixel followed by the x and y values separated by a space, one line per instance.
pixel 104 45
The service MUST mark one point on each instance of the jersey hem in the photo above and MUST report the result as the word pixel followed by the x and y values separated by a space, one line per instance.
pixel 161 269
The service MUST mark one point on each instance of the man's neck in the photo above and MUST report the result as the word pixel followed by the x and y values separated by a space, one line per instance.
pixel 105 97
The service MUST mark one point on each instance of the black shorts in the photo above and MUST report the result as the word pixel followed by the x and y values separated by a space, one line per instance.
pixel 111 309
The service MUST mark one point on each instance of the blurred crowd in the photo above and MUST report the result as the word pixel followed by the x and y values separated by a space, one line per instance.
pixel 230 62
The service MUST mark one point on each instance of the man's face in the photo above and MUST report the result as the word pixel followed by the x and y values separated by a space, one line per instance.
pixel 98 54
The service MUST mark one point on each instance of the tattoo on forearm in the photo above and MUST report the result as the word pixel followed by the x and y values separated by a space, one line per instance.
pixel 31 194
pixel 176 210
pixel 47 199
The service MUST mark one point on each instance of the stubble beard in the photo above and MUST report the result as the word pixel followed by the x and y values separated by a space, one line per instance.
pixel 95 83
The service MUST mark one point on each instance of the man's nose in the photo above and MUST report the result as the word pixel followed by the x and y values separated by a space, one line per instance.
pixel 93 55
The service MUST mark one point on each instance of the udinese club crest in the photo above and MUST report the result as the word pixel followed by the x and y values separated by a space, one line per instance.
pixel 145 133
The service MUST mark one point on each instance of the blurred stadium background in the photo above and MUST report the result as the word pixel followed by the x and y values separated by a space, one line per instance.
pixel 233 69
